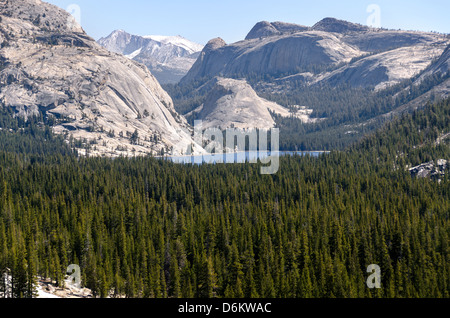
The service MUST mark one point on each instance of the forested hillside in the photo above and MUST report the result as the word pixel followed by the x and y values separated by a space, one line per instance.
pixel 144 227
pixel 343 114
pixel 347 114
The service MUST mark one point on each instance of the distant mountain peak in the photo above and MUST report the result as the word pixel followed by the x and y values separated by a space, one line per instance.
pixel 177 40
pixel 119 31
pixel 169 58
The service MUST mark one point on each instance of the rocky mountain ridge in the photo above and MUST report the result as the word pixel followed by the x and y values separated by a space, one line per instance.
pixel 169 58
pixel 111 104
pixel 264 29
pixel 332 52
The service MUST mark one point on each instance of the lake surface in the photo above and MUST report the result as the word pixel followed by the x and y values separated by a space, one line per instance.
pixel 239 157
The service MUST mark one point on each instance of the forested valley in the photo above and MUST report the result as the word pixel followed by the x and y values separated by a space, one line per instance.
pixel 144 227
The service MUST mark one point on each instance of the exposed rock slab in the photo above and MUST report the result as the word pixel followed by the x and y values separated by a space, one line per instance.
pixel 169 58
pixel 332 51
pixel 234 104
pixel 49 64
pixel 272 55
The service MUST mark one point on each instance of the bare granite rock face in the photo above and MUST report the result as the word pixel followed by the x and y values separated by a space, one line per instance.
pixel 49 64
pixel 331 52
pixel 234 104
pixel 265 29
pixel 42 15
pixel 207 59
pixel 338 26
pixel 432 170
pixel 272 55
pixel 383 69
pixel 379 40
pixel 169 58
pixel 441 66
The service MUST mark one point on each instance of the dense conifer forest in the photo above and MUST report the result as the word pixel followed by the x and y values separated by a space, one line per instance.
pixel 145 227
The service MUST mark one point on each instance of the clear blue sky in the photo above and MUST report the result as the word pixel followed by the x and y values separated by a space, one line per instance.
pixel 202 20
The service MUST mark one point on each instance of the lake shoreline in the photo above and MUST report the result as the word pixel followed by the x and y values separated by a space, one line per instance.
pixel 236 157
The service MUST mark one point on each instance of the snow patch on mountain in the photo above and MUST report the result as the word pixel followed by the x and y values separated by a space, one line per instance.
pixel 177 41
pixel 134 54
pixel 169 58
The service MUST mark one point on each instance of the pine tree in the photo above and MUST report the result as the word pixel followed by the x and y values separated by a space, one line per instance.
pixel 19 272
pixel 32 283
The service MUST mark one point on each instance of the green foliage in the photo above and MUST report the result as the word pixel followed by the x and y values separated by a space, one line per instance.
pixel 144 227
pixel 134 138
pixel 30 137
pixel 345 113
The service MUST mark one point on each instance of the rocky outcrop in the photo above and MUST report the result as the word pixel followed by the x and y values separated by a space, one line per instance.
pixel 233 103
pixel 272 55
pixel 105 100
pixel 430 170
pixel 169 58
pixel 43 16
pixel 265 29
pixel 332 51
pixel 440 66
pixel 47 289
pixel 377 41
pixel 207 59
pixel 338 26
pixel 383 69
